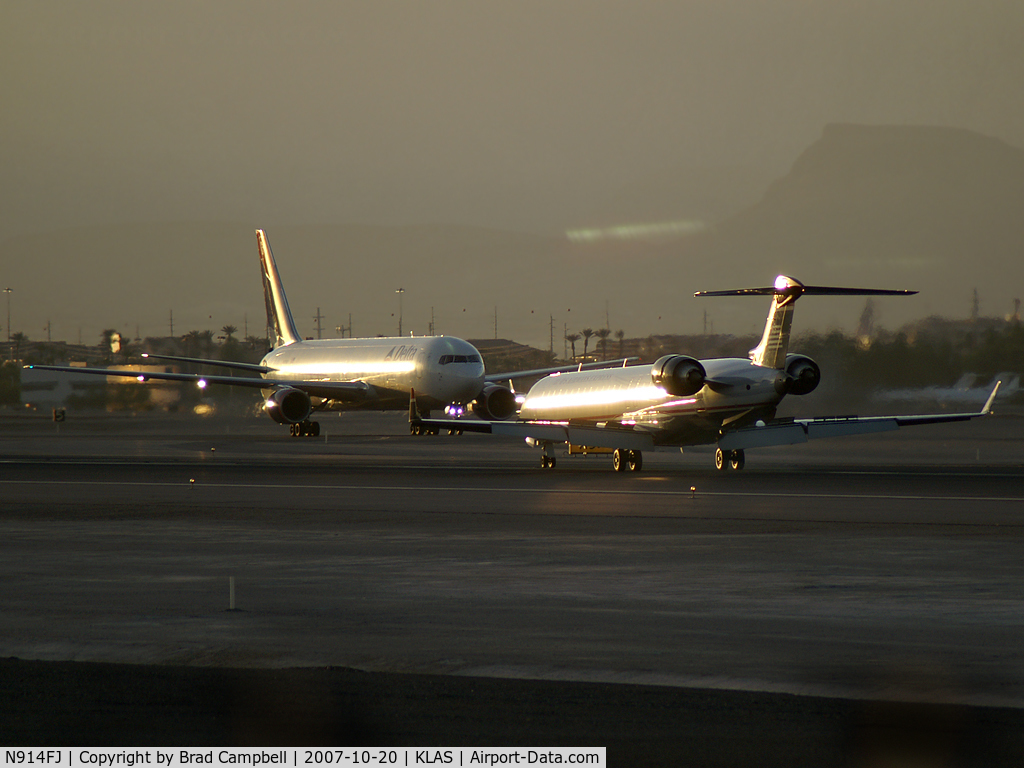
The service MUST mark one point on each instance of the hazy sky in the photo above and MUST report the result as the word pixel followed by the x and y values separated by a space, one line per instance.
pixel 520 115
pixel 514 114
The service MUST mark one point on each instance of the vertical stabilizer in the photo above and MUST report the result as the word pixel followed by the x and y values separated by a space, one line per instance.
pixel 281 328
pixel 771 352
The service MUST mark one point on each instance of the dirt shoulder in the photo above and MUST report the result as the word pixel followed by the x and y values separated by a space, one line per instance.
pixel 83 704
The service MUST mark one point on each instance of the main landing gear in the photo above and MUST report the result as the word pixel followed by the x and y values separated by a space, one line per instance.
pixel 305 429
pixel 623 459
pixel 729 459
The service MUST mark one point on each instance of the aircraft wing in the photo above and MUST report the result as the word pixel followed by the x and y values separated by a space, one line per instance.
pixel 254 367
pixel 791 431
pixel 538 372
pixel 351 391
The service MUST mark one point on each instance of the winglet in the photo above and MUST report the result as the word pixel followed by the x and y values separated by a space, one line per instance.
pixel 991 398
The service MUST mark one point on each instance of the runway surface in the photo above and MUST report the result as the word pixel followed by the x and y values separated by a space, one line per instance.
pixel 883 567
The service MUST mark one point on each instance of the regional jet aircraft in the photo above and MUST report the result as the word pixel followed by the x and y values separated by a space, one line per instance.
pixel 300 377
pixel 680 401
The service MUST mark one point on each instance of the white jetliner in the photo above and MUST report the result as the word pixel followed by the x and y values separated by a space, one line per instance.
pixel 962 392
pixel 299 377
pixel 680 401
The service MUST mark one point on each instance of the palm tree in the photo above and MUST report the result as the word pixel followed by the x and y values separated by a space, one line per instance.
pixel 620 335
pixel 192 341
pixel 572 338
pixel 206 343
pixel 229 349
pixel 18 339
pixel 587 333
pixel 603 334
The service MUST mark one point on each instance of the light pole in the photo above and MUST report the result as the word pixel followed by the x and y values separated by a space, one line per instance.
pixel 8 292
pixel 400 291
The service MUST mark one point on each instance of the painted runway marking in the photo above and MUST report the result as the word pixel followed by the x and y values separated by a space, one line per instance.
pixel 682 492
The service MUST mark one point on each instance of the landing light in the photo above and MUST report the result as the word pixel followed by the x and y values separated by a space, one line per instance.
pixel 201 383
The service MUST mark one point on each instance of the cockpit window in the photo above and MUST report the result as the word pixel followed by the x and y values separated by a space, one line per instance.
pixel 447 359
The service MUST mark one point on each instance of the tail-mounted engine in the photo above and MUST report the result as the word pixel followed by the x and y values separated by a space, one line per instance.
pixel 802 375
pixel 494 403
pixel 678 375
pixel 288 406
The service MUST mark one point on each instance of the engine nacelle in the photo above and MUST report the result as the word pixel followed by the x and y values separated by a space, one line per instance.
pixel 802 375
pixel 494 403
pixel 678 375
pixel 288 406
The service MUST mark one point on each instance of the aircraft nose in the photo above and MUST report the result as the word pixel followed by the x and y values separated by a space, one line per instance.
pixel 468 384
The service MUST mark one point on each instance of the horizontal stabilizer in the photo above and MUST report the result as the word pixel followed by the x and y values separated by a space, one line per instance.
pixel 788 286
pixel 810 290
pixel 774 346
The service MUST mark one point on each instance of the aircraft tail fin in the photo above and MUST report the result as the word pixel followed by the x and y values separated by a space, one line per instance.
pixel 772 350
pixel 281 328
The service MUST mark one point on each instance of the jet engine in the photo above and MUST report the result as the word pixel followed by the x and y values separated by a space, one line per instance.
pixel 494 403
pixel 288 406
pixel 678 375
pixel 802 375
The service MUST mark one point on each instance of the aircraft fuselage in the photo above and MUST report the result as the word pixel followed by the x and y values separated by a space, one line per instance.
pixel 443 369
pixel 737 392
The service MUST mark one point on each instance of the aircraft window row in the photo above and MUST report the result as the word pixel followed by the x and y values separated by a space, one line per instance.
pixel 446 359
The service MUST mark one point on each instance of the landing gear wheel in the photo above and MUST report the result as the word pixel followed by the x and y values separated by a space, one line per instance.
pixel 547 462
pixel 635 461
pixel 737 459
pixel 720 459
pixel 619 460
pixel 624 459
pixel 729 459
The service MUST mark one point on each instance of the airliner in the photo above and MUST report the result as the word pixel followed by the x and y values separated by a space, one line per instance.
pixel 965 390
pixel 681 401
pixel 300 377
